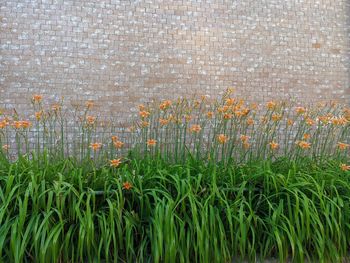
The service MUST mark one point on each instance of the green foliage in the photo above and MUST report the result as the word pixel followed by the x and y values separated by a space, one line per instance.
pixel 191 181
pixel 196 211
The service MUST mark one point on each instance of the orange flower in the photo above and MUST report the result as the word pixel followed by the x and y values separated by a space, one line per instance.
pixel 144 124
pixel 89 104
pixel 210 114
pixel 343 146
pixel 165 104
pixel 142 107
pixel 244 138
pixel 241 102
pixel 304 144
pixel 90 120
pixel 144 114
pixel 227 116
pixel 250 121
pixel 271 105
pixel 236 107
pixel 290 122
pixel 163 122
pixel 118 144
pixel 37 98
pixel 6 147
pixel 276 117
pixel 300 110
pixel 339 120
pixel 114 138
pixel 334 121
pixel 309 121
pixel 115 162
pixel 195 128
pixel 230 101
pixel 127 185
pixel 238 113
pixel 17 124
pixel 38 115
pixel 344 167
pixel 151 142
pixel 223 109
pixel 21 124
pixel 3 124
pixel 245 111
pixel 96 146
pixel 306 136
pixel 274 145
pixel 222 138
pixel 25 124
pixel 324 119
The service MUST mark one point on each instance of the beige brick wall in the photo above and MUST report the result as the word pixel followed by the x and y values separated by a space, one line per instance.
pixel 122 53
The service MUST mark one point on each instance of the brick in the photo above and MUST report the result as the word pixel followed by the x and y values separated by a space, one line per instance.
pixel 123 53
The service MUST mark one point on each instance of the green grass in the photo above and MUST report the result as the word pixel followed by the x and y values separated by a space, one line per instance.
pixel 197 211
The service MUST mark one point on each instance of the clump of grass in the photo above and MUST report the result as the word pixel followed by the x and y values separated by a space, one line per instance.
pixel 150 210
pixel 190 181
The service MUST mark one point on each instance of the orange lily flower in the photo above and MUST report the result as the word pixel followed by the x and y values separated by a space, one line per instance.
pixel 96 146
pixel 90 120
pixel 144 114
pixel 118 144
pixel 195 128
pixel 222 138
pixel 304 145
pixel 115 162
pixel 151 142
pixel 274 145
pixel 343 146
pixel 37 98
pixel 127 185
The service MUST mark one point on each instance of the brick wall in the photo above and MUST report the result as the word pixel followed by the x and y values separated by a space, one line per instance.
pixel 122 53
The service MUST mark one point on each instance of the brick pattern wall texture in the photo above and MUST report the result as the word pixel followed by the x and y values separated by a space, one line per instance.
pixel 120 53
